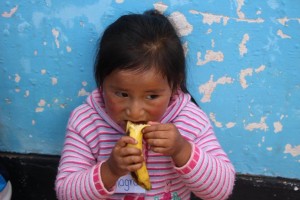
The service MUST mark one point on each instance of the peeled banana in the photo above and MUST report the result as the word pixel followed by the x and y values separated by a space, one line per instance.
pixel 140 176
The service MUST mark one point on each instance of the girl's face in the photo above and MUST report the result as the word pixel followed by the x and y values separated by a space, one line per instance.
pixel 136 96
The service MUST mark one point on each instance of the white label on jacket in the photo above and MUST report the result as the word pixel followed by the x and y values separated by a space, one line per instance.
pixel 126 184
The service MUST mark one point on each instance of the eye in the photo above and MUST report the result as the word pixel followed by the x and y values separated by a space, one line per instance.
pixel 122 94
pixel 151 97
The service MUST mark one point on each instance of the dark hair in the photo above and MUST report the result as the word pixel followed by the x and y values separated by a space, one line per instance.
pixel 139 42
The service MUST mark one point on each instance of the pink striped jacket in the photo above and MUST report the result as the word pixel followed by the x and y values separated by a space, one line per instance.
pixel 91 136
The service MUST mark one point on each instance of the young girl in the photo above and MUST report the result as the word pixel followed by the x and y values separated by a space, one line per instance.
pixel 140 74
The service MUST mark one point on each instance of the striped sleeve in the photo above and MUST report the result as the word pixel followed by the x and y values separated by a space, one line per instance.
pixel 78 174
pixel 208 173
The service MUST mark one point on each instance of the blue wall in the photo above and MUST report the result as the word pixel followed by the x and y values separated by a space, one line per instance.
pixel 243 69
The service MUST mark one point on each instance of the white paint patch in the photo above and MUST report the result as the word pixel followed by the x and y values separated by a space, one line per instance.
pixel 26 93
pixel 69 49
pixel 17 89
pixel 181 24
pixel 84 83
pixel 119 1
pixel 33 122
pixel 11 12
pixel 242 46
pixel 42 103
pixel 213 119
pixel 294 151
pixel 260 125
pixel 55 33
pixel 269 148
pixel 83 92
pixel 283 21
pixel 258 20
pixel 43 71
pixel 243 74
pixel 282 35
pixel 54 80
pixel 230 124
pixel 260 68
pixel 209 57
pixel 160 6
pixel 17 78
pixel 185 48
pixel 35 53
pixel 209 18
pixel 277 127
pixel 239 8
pixel 248 72
pixel 208 88
pixel 212 43
pixel 39 109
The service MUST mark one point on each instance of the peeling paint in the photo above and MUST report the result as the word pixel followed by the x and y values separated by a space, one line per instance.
pixel 260 125
pixel 69 49
pixel 269 148
pixel 83 92
pixel 208 88
pixel 209 18
pixel 43 71
pixel 213 119
pixel 17 78
pixel 10 13
pixel 181 24
pixel 277 127
pixel 209 57
pixel 283 21
pixel 54 80
pixel 26 93
pixel 160 6
pixel 282 35
pixel 294 151
pixel 248 72
pixel 39 109
pixel 55 33
pixel 242 46
pixel 230 124
pixel 84 83
pixel 42 103
pixel 239 8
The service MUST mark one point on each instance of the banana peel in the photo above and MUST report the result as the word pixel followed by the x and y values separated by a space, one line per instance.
pixel 141 176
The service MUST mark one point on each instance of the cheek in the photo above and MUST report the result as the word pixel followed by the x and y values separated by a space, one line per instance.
pixel 158 110
pixel 112 107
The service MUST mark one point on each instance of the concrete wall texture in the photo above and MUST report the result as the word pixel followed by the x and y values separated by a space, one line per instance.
pixel 243 61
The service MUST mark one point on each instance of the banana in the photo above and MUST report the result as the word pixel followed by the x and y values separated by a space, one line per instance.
pixel 140 176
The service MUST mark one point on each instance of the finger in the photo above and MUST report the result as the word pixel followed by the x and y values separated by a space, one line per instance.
pixel 123 141
pixel 134 167
pixel 161 150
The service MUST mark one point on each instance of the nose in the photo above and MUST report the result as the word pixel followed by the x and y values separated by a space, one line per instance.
pixel 135 111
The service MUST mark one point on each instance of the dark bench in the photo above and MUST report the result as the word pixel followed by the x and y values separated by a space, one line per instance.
pixel 32 177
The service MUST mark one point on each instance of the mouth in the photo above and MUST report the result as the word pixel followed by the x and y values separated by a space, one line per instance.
pixel 137 122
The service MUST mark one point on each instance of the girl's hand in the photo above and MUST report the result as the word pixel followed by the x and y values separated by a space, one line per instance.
pixel 125 159
pixel 122 160
pixel 166 139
